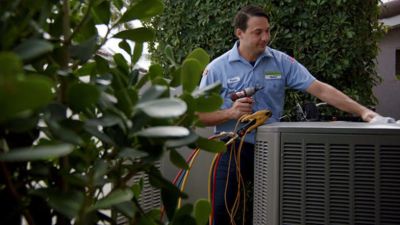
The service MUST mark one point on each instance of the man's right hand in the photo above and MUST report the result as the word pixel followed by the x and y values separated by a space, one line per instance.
pixel 241 107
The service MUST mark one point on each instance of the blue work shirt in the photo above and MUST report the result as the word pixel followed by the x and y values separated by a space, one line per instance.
pixel 273 70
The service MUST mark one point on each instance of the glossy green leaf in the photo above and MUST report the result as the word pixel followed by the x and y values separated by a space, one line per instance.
pixel 189 100
pixel 211 145
pixel 57 110
pixel 190 74
pixel 208 103
pixel 200 55
pixel 33 48
pixel 81 96
pixel 142 9
pixel 209 89
pixel 133 95
pixel 86 32
pixel 10 64
pixel 177 159
pixel 176 77
pixel 64 133
pixel 16 95
pixel 138 187
pixel 105 121
pixel 124 45
pixel 146 221
pixel 101 12
pixel 184 216
pixel 169 53
pixel 164 132
pixel 137 52
pixel 141 34
pixel 154 214
pixel 184 141
pixel 170 201
pixel 37 153
pixel 24 124
pixel 155 71
pixel 119 4
pixel 67 204
pixel 102 65
pixel 100 170
pixel 141 82
pixel 85 50
pixel 133 79
pixel 128 209
pixel 121 62
pixel 160 81
pixel 86 69
pixel 124 101
pixel 202 210
pixel 163 108
pixel 131 153
pixel 116 197
pixel 100 135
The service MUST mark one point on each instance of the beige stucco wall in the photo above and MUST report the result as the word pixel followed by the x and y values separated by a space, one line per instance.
pixel 388 92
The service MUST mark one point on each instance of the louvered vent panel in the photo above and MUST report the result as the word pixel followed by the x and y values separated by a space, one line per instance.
pixel 348 174
pixel 150 197
pixel 339 185
pixel 292 176
pixel 261 202
pixel 315 179
pixel 390 184
pixel 365 199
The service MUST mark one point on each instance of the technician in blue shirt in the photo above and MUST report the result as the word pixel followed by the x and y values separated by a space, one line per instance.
pixel 249 63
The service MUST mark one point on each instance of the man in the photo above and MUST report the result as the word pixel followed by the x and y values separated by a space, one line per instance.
pixel 252 63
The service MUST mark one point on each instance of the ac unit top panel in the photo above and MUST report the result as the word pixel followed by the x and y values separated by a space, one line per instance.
pixel 341 127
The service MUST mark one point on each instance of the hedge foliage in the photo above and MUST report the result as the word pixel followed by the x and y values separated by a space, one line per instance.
pixel 336 40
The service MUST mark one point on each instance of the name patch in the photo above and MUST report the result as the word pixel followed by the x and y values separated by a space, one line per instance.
pixel 272 75
pixel 233 80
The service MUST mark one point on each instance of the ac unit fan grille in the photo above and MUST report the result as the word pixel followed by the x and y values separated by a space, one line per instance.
pixel 339 183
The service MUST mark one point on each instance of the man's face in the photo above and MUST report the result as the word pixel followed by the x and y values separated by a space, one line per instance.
pixel 255 38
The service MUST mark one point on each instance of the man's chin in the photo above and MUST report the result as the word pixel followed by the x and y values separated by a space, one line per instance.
pixel 260 50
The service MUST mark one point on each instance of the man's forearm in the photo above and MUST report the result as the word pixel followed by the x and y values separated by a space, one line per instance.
pixel 338 99
pixel 214 118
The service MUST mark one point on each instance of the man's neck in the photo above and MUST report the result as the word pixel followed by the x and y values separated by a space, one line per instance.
pixel 249 56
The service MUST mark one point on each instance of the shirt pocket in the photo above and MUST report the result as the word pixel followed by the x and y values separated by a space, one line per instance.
pixel 275 86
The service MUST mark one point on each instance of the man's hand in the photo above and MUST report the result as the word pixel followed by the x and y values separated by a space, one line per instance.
pixel 240 107
pixel 382 119
pixel 368 115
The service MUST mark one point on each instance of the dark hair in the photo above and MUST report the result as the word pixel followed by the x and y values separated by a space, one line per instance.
pixel 241 18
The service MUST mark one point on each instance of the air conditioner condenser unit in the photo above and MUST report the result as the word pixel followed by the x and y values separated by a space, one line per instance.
pixel 327 173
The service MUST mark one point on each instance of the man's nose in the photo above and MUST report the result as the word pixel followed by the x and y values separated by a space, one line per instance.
pixel 265 36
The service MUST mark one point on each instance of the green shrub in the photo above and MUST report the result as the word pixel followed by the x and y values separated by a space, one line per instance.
pixel 75 119
pixel 336 40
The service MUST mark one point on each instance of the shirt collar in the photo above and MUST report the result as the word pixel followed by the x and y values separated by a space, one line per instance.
pixel 235 56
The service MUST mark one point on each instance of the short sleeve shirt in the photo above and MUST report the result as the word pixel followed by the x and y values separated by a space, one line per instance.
pixel 274 71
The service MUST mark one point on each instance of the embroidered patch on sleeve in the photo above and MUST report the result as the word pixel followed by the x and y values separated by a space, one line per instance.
pixel 292 60
pixel 205 72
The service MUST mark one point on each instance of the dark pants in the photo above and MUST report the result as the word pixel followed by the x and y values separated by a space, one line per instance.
pixel 221 216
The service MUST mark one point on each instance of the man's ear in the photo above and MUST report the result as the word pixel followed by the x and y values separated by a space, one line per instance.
pixel 238 33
